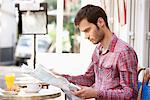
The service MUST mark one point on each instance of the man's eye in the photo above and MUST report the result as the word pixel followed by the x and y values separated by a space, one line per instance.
pixel 86 30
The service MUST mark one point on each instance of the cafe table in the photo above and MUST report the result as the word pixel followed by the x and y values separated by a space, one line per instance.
pixel 31 96
pixel 47 92
pixel 21 79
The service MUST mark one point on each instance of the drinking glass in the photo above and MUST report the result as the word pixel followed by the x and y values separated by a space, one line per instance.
pixel 9 80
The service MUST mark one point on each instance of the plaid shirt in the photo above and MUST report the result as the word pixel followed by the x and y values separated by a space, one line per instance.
pixel 113 73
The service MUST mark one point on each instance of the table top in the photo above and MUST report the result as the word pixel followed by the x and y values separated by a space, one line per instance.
pixel 21 79
pixel 30 97
pixel 43 94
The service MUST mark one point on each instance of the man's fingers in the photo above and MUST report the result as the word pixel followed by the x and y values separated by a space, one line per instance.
pixel 78 93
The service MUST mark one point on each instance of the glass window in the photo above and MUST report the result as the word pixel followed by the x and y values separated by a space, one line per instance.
pixel 70 40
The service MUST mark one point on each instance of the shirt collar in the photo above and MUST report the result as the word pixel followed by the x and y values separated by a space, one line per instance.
pixel 111 46
pixel 112 43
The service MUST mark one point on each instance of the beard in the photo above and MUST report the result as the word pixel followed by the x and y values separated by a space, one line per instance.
pixel 99 37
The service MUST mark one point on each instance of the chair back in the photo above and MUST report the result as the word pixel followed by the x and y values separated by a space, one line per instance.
pixel 140 82
pixel 144 87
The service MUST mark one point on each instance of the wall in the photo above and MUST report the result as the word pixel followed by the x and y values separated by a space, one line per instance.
pixel 140 31
pixel 8 32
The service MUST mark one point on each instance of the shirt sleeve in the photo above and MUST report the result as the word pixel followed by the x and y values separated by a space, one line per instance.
pixel 127 67
pixel 85 80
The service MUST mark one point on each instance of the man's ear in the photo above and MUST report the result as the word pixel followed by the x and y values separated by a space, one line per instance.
pixel 100 22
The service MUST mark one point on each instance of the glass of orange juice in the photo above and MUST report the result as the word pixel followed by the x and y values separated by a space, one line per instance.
pixel 9 79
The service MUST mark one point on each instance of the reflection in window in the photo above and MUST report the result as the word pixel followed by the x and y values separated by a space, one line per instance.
pixel 25 42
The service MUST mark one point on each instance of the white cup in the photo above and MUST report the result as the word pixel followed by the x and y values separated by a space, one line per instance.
pixel 33 87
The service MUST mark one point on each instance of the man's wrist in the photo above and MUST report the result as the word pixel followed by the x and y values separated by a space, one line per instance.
pixel 99 93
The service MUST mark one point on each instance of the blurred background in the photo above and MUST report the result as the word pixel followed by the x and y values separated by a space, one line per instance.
pixel 42 31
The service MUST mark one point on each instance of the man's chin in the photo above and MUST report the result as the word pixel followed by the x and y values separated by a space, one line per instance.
pixel 95 42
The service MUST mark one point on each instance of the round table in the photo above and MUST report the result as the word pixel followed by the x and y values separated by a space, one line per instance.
pixel 30 96
pixel 35 97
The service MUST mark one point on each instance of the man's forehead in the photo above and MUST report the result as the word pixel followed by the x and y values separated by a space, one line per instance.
pixel 83 28
pixel 83 24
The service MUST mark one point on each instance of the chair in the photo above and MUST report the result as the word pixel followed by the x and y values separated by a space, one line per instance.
pixel 140 69
pixel 144 88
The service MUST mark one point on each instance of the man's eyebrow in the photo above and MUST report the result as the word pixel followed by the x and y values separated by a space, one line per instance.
pixel 86 29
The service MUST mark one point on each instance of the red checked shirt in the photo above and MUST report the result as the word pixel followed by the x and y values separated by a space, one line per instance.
pixel 113 73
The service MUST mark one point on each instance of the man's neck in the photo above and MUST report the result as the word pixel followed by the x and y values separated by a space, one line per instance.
pixel 105 43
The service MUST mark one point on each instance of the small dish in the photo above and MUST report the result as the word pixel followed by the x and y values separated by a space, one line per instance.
pixel 10 92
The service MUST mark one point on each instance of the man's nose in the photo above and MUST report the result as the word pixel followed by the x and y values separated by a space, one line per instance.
pixel 87 36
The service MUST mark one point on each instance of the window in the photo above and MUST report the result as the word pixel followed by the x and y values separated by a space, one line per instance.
pixel 68 38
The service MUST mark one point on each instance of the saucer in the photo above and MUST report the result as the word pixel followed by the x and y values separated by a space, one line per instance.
pixel 32 90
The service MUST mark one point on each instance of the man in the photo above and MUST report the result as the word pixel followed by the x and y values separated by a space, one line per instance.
pixel 112 73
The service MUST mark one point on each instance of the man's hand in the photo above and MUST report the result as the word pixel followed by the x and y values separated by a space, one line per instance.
pixel 86 92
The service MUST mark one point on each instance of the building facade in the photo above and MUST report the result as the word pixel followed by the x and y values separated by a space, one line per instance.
pixel 8 30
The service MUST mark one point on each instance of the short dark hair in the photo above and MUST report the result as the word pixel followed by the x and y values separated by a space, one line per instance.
pixel 91 13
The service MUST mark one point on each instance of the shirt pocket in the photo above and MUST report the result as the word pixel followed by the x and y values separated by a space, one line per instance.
pixel 107 65
pixel 107 69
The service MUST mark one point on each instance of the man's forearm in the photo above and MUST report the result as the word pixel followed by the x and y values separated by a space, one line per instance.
pixel 117 94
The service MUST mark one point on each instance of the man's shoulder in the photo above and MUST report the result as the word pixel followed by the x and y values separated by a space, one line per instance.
pixel 122 46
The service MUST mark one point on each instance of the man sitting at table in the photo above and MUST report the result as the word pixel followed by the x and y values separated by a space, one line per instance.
pixel 112 73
